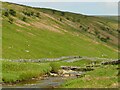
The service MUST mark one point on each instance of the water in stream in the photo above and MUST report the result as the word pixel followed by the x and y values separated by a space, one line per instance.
pixel 47 82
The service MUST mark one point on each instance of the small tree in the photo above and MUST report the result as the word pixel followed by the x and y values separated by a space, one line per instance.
pixel 103 39
pixel 80 26
pixel 118 30
pixel 108 38
pixel 62 13
pixel 53 11
pixel 61 19
pixel 85 29
pixel 28 13
pixel 12 12
pixel 38 14
pixel 88 27
pixel 97 32
pixel 24 19
pixel 32 13
pixel 107 28
pixel 6 14
pixel 98 36
pixel 10 20
pixel 67 18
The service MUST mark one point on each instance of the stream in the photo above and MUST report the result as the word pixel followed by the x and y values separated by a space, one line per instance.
pixel 53 81
pixel 45 82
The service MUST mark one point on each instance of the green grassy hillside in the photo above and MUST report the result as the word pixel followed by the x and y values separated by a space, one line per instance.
pixel 45 33
pixel 103 77
pixel 14 71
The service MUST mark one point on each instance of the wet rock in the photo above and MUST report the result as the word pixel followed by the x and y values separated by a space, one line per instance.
pixel 53 74
pixel 68 73
pixel 111 62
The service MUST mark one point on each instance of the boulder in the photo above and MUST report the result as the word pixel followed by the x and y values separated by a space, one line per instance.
pixel 53 74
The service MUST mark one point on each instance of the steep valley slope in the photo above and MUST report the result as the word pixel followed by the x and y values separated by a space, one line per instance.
pixel 32 33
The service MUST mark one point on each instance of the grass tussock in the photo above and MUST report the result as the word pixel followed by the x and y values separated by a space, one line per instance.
pixel 14 71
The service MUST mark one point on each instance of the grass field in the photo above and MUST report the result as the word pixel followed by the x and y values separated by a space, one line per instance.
pixel 14 71
pixel 101 77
